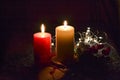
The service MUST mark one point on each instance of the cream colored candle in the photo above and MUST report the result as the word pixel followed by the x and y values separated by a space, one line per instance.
pixel 65 42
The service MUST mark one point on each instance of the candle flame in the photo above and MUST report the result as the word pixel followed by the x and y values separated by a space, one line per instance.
pixel 65 23
pixel 42 28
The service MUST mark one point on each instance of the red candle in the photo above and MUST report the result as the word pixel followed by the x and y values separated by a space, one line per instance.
pixel 42 47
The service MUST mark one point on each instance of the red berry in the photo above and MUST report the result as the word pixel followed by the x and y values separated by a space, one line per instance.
pixel 92 46
pixel 93 49
pixel 106 51
pixel 99 46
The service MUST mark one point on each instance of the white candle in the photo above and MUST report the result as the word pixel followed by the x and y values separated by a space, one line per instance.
pixel 65 42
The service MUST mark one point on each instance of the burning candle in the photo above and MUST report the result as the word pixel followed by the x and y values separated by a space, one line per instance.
pixel 42 46
pixel 65 42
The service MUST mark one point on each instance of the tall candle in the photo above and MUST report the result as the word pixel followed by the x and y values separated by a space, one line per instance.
pixel 42 46
pixel 65 42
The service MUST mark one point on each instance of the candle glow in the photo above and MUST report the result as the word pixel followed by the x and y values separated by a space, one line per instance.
pixel 65 24
pixel 42 28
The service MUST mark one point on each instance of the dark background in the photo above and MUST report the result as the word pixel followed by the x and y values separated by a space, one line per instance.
pixel 21 18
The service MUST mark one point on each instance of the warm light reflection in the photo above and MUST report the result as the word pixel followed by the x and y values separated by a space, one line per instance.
pixel 44 74
pixel 42 28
